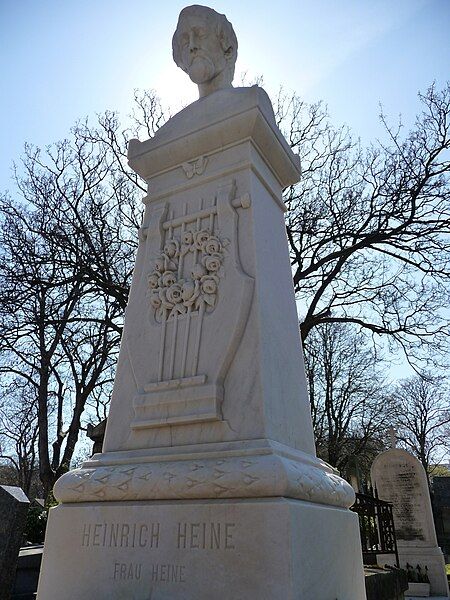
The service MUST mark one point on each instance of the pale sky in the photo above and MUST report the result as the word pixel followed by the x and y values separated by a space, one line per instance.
pixel 65 59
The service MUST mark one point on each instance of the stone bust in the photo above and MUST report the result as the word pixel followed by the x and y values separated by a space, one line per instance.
pixel 205 46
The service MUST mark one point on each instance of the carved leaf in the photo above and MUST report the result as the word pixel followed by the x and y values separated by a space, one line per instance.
pixel 209 299
pixel 189 169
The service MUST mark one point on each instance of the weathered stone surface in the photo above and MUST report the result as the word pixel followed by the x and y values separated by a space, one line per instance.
pixel 13 511
pixel 400 478
pixel 210 410
pixel 229 550
pixel 208 471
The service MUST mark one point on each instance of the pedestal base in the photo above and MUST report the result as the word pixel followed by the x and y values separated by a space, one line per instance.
pixel 425 556
pixel 433 559
pixel 265 549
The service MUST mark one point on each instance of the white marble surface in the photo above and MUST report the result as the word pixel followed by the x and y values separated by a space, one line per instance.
pixel 204 45
pixel 209 420
pixel 227 550
pixel 191 374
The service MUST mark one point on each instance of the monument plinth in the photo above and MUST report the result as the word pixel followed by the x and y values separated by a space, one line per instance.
pixel 208 485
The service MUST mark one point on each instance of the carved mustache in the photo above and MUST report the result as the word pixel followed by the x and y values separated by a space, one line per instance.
pixel 198 54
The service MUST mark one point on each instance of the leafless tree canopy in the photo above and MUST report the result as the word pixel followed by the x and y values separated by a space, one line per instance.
pixel 348 395
pixel 424 418
pixel 369 228
pixel 68 243
pixel 368 234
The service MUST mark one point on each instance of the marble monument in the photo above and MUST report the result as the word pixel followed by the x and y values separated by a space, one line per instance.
pixel 208 485
pixel 400 478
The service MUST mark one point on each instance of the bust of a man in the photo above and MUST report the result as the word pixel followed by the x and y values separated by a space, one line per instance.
pixel 205 47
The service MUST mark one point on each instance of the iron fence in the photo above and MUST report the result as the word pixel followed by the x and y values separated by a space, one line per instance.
pixel 376 526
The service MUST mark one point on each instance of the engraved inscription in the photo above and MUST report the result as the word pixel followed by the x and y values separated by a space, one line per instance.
pixel 121 535
pixel 125 571
pixel 400 484
pixel 206 536
pixel 168 573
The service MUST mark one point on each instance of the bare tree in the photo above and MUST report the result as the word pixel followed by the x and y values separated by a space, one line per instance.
pixel 58 336
pixel 368 229
pixel 65 272
pixel 348 396
pixel 18 432
pixel 367 233
pixel 424 418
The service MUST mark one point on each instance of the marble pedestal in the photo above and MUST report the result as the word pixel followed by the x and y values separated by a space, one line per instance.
pixel 209 434
pixel 198 550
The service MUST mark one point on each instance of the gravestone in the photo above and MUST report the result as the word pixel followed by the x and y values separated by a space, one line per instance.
pixel 13 513
pixel 399 478
pixel 441 510
pixel 208 485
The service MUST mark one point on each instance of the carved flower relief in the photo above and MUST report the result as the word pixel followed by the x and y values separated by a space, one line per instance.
pixel 159 265
pixel 212 245
pixel 153 281
pixel 168 278
pixel 209 285
pixel 169 295
pixel 171 248
pixel 212 262
pixel 173 293
pixel 201 237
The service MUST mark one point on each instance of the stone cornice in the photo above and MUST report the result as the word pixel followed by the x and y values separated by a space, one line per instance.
pixel 251 473
pixel 223 119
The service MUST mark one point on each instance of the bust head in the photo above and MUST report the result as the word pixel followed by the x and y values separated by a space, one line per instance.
pixel 205 46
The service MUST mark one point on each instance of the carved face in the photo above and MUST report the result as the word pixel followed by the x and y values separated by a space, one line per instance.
pixel 202 55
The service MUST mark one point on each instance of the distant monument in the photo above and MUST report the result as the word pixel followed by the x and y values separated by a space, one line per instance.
pixel 208 485
pixel 400 478
pixel 13 513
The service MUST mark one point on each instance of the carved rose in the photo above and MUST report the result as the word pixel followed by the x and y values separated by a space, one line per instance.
pixel 159 264
pixel 188 289
pixel 209 285
pixel 153 280
pixel 155 300
pixel 168 279
pixel 212 245
pixel 212 262
pixel 173 294
pixel 171 248
pixel 198 271
pixel 187 238
pixel 170 295
pixel 200 237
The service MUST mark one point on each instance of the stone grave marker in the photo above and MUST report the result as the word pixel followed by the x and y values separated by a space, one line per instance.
pixel 441 509
pixel 208 485
pixel 13 512
pixel 399 478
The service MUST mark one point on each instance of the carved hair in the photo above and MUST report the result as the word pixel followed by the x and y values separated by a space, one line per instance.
pixel 223 29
